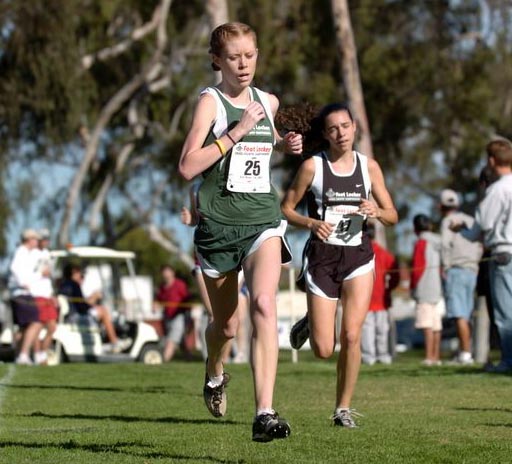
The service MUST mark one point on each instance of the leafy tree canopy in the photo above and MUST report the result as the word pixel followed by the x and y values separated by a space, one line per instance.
pixel 95 85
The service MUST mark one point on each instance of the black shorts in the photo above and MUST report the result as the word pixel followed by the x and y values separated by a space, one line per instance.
pixel 326 266
pixel 24 310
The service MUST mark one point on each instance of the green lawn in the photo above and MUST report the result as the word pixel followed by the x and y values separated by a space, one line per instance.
pixel 131 413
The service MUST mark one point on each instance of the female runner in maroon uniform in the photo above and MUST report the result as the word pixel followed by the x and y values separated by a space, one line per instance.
pixel 338 258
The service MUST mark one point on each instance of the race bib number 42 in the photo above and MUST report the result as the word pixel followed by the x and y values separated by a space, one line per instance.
pixel 348 225
pixel 249 169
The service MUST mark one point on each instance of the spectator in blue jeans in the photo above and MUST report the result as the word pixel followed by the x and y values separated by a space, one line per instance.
pixel 493 222
pixel 460 259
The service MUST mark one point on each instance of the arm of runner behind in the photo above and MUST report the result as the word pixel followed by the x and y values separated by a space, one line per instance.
pixel 295 194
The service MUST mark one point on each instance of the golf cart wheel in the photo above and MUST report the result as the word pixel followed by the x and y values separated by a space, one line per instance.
pixel 151 354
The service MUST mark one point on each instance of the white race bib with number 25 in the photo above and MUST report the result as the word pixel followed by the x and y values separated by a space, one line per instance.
pixel 249 169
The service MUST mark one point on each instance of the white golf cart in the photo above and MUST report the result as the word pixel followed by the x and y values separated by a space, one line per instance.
pixel 80 338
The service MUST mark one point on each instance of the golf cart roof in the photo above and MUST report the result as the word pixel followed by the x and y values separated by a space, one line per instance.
pixel 92 252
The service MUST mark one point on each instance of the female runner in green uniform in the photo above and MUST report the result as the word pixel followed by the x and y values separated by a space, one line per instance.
pixel 230 144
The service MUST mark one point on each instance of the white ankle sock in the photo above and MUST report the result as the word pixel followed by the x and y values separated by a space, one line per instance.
pixel 259 412
pixel 215 381
pixel 338 410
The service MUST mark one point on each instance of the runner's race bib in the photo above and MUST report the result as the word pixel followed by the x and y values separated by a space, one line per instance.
pixel 348 225
pixel 249 169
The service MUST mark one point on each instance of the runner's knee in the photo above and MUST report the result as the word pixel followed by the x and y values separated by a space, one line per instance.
pixel 351 338
pixel 322 350
pixel 227 328
pixel 263 305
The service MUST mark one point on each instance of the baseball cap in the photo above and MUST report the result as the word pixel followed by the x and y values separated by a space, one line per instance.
pixel 44 234
pixel 29 233
pixel 449 198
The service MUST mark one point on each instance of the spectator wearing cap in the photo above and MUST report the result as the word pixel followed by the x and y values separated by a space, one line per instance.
pixel 22 274
pixel 43 293
pixel 460 259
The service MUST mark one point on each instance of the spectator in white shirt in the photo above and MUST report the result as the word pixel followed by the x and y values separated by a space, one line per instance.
pixel 23 274
pixel 493 224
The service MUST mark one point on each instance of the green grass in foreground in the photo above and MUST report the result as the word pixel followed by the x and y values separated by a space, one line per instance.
pixel 91 413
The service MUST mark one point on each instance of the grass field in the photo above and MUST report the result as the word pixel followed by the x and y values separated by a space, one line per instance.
pixel 131 413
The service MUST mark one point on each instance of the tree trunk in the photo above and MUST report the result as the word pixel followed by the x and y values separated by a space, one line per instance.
pixel 217 12
pixel 350 69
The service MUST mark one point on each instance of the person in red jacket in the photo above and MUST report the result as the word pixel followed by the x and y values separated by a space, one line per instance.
pixel 375 346
pixel 171 294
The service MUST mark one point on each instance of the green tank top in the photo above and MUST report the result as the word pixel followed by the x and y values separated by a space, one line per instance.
pixel 237 190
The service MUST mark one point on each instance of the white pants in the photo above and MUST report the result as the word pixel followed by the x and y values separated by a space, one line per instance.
pixel 375 338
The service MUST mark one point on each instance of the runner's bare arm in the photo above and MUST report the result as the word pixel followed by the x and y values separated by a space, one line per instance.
pixel 294 195
pixel 194 157
pixel 384 209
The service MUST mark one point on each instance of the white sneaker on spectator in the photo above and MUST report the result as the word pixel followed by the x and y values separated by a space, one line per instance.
pixel 432 362
pixel 121 345
pixel 385 359
pixel 465 358
pixel 24 360
pixel 41 358
pixel 240 358
pixel 368 360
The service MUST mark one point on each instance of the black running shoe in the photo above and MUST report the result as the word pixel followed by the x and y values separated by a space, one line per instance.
pixel 266 427
pixel 299 333
pixel 215 397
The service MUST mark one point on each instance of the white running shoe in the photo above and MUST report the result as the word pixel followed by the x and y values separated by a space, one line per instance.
pixel 345 418
pixel 121 345
pixel 24 360
pixel 465 358
pixel 41 358
pixel 215 397
pixel 432 362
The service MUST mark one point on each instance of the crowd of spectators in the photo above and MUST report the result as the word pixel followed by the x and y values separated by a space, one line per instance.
pixel 467 254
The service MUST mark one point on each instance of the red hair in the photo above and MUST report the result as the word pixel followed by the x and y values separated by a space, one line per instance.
pixel 225 32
